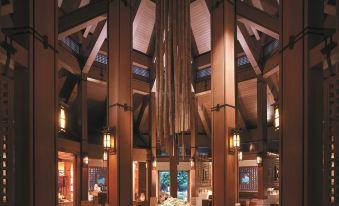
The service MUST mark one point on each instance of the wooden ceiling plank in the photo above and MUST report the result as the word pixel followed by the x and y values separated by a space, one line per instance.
pixel 98 40
pixel 258 19
pixel 246 42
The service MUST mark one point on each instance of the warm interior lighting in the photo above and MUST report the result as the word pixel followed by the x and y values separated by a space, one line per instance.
pixel 154 164
pixel 259 159
pixel 61 169
pixel 109 141
pixel 235 140
pixel 276 117
pixel 85 160
pixel 240 156
pixel 72 180
pixel 142 197
pixel 192 163
pixel 105 156
pixel 62 119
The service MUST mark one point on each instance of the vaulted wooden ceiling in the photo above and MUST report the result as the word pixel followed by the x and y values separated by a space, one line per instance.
pixel 83 46
pixel 90 33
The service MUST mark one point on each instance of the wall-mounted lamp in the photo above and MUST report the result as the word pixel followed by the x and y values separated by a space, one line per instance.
pixel 85 159
pixel 62 119
pixel 154 164
pixel 276 117
pixel 240 156
pixel 259 159
pixel 105 156
pixel 234 140
pixel 109 141
pixel 192 162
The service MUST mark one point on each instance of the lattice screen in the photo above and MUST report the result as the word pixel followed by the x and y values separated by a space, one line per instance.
pixel 248 179
pixel 5 139
pixel 331 140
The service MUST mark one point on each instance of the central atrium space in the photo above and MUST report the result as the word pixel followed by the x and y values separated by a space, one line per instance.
pixel 169 103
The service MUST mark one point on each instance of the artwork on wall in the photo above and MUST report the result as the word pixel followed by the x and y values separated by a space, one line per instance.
pixel 248 179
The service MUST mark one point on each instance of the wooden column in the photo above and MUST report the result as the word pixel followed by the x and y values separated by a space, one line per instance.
pixel 120 92
pixel 262 111
pixel 84 136
pixel 262 128
pixel 193 191
pixel 301 121
pixel 154 178
pixel 223 92
pixel 174 171
pixel 42 105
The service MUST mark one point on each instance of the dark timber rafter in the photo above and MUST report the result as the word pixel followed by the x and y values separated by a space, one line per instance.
pixel 82 18
pixel 249 48
pixel 258 19
pixel 95 45
pixel 204 119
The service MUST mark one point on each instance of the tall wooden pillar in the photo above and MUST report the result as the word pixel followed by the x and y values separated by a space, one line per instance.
pixel 193 191
pixel 154 178
pixel 174 171
pixel 262 128
pixel 120 92
pixel 84 136
pixel 301 121
pixel 223 92
pixel 262 111
pixel 42 105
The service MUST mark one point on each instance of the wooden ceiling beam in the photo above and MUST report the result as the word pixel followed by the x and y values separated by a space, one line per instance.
pixel 142 60
pixel 144 104
pixel 90 27
pixel 68 87
pixel 204 119
pixel 272 88
pixel 258 19
pixel 95 46
pixel 66 60
pixel 203 60
pixel 248 46
pixel 258 4
pixel 316 57
pixel 81 18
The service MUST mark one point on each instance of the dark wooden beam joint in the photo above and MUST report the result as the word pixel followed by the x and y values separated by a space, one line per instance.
pixel 125 106
pixel 16 31
pixel 218 107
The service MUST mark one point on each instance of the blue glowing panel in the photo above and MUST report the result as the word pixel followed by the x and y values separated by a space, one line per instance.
pixel 248 179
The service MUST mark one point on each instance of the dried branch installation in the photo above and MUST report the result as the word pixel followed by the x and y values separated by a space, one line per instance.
pixel 173 69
